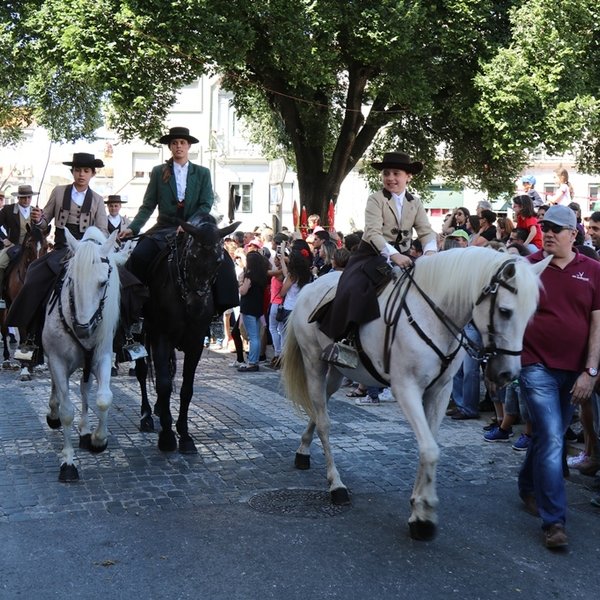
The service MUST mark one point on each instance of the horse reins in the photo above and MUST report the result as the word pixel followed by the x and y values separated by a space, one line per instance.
pixel 396 304
pixel 179 267
pixel 91 325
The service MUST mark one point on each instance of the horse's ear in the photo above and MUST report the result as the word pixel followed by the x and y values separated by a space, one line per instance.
pixel 36 234
pixel 510 270
pixel 229 229
pixel 110 244
pixel 540 266
pixel 71 241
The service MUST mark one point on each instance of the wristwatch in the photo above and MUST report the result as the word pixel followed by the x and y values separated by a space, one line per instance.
pixel 591 371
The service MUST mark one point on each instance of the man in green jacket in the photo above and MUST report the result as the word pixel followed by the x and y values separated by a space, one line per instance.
pixel 180 190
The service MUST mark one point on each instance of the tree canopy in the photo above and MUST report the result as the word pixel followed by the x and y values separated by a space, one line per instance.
pixel 322 83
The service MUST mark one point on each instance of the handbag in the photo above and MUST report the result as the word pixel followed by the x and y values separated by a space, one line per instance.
pixel 281 314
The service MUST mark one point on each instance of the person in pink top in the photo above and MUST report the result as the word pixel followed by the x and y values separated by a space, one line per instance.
pixel 275 326
pixel 526 219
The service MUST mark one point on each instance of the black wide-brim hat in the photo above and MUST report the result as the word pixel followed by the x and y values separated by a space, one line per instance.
pixel 178 133
pixel 115 200
pixel 83 159
pixel 398 160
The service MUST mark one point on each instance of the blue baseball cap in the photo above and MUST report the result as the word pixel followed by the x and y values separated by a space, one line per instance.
pixel 530 179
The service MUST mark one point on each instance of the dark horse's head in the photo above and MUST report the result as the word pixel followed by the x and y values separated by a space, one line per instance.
pixel 201 255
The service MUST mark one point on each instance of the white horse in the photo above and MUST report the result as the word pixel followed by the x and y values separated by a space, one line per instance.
pixel 417 347
pixel 81 319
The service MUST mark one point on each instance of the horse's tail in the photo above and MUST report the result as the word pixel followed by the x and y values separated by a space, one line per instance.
pixel 294 373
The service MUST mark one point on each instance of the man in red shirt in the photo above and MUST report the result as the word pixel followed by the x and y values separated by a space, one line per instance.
pixel 561 354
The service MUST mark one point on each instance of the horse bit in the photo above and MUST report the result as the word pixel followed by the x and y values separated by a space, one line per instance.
pixel 396 304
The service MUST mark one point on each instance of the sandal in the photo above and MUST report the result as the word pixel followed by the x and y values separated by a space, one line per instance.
pixel 357 393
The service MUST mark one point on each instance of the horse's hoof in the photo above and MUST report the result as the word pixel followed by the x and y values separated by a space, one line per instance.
pixel 302 461
pixel 85 441
pixel 95 449
pixel 167 441
pixel 53 423
pixel 147 424
pixel 423 531
pixel 187 446
pixel 25 377
pixel 68 473
pixel 340 497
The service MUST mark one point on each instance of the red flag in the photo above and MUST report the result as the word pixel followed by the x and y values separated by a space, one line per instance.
pixel 295 216
pixel 331 217
pixel 304 223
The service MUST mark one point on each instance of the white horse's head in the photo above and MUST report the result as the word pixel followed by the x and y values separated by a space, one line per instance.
pixel 501 313
pixel 92 285
pixel 499 292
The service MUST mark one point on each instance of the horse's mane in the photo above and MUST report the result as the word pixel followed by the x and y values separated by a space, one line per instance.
pixel 79 268
pixel 460 274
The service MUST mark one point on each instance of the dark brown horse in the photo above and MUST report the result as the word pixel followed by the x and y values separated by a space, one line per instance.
pixel 35 244
pixel 178 315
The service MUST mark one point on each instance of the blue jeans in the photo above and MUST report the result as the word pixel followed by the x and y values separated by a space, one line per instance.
pixel 252 325
pixel 276 329
pixel 547 393
pixel 465 386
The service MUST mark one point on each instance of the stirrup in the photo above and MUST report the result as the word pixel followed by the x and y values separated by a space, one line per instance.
pixel 26 352
pixel 2 304
pixel 341 354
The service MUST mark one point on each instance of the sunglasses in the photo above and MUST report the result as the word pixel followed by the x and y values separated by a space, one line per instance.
pixel 546 227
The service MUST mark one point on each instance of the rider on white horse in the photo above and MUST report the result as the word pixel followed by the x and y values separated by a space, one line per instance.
pixel 390 217
pixel 74 207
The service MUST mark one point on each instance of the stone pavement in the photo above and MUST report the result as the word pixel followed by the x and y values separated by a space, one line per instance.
pixel 238 521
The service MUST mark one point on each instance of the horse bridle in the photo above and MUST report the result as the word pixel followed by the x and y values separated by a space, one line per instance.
pixel 396 304
pixel 180 266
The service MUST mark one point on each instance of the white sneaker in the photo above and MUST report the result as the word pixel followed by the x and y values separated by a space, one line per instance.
pixel 387 396
pixel 237 364
pixel 367 401
pixel 575 461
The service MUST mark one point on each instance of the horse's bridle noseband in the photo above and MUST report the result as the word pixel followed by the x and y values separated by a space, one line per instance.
pixel 497 281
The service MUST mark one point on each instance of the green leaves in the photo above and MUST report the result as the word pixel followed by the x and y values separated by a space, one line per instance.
pixel 481 83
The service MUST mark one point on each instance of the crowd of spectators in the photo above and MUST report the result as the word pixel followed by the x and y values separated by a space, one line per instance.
pixel 290 262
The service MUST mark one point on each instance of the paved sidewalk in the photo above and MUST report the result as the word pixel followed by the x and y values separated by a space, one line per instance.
pixel 238 521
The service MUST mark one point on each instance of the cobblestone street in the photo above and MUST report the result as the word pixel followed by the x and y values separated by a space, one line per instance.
pixel 247 434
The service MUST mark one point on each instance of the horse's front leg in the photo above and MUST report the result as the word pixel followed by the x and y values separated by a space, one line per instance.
pixel 102 370
pixel 161 352
pixel 190 363
pixel 60 387
pixel 52 416
pixel 423 519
